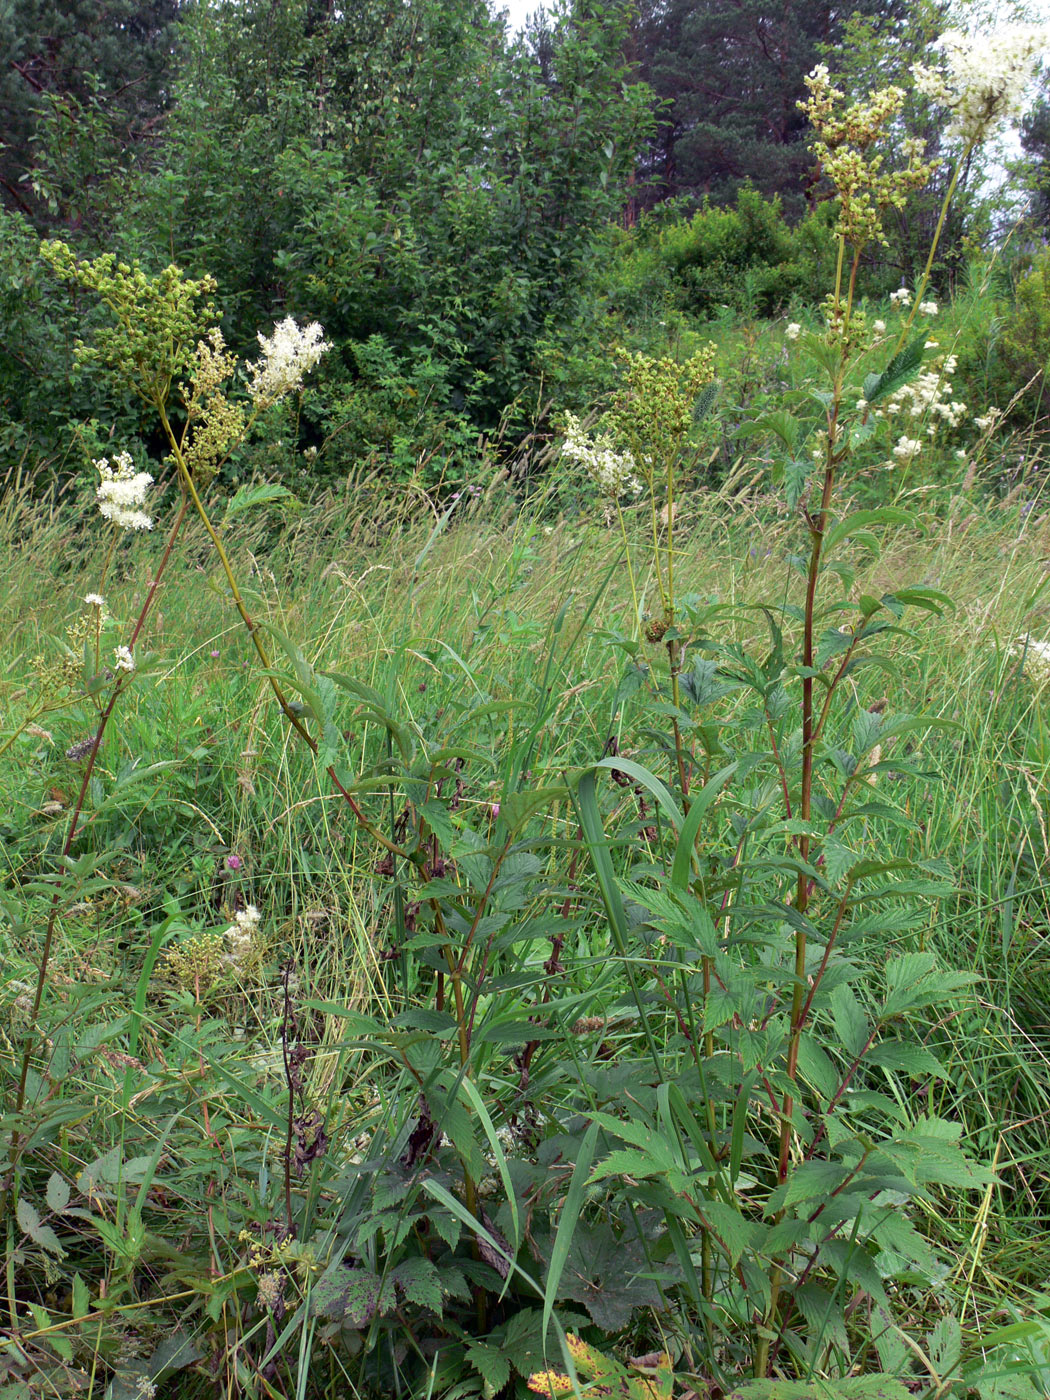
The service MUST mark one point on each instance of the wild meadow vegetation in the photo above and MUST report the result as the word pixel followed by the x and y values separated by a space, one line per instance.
pixel 524 760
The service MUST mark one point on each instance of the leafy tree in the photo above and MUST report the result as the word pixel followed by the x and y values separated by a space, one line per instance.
pixel 433 196
pixel 82 93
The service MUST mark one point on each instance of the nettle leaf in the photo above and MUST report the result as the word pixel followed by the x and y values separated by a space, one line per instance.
pixel 353 1296
pixel 897 373
pixel 57 1192
pixel 604 1271
pixel 832 643
pixel 265 494
pixel 796 474
pixel 780 423
pixel 491 1364
pixel 29 1223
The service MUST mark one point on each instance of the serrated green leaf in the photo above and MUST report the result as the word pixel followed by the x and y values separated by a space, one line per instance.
pixel 263 494
pixel 57 1192
pixel 491 1364
pixel 417 1278
pixel 851 1024
pixel 30 1223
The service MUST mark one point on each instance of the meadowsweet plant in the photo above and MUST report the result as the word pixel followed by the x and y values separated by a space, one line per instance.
pixel 784 1168
pixel 166 349
pixel 162 345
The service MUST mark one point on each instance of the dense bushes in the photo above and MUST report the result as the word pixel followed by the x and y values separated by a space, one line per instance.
pixel 747 258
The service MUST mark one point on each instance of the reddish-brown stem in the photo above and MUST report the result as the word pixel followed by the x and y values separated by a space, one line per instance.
pixel 819 974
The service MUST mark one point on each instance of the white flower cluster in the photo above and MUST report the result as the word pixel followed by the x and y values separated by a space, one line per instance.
pixel 989 419
pixel 95 600
pixel 288 354
pixel 1036 656
pixel 907 448
pixel 929 396
pixel 984 81
pixel 793 331
pixel 901 297
pixel 122 492
pixel 241 935
pixel 124 660
pixel 612 472
pixel 927 308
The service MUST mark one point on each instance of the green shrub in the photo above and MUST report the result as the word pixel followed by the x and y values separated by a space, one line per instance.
pixel 747 257
pixel 1025 352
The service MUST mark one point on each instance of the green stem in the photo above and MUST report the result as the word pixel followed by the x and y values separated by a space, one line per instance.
pixel 636 629
pixel 924 281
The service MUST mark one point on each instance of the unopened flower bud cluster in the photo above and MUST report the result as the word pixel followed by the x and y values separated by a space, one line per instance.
pixel 846 151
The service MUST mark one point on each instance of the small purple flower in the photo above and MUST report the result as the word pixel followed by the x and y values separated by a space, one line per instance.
pixel 214 655
pixel 233 862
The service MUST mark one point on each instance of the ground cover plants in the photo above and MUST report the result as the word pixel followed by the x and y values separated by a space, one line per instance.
pixel 456 949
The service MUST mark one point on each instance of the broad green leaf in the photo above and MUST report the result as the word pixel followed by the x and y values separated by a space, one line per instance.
pixel 58 1192
pixel 30 1223
pixel 851 1024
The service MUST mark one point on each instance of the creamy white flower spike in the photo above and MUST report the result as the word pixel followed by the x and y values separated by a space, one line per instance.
pixel 124 660
pixel 927 308
pixel 879 327
pixel 288 354
pixel 122 492
pixel 793 331
pixel 241 934
pixel 612 472
pixel 984 77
